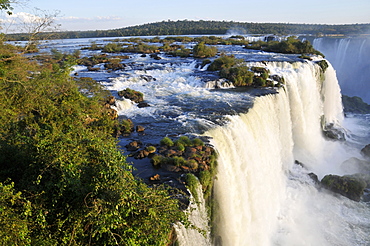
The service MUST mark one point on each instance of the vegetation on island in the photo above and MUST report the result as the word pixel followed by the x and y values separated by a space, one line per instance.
pixel 63 180
pixel 236 71
pixel 291 45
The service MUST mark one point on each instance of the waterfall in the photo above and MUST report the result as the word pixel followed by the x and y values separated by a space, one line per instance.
pixel 349 57
pixel 198 217
pixel 255 151
pixel 261 197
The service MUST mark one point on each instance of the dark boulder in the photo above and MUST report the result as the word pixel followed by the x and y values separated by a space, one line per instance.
pixel 366 151
pixel 355 165
pixel 143 105
pixel 334 133
pixel 133 146
pixel 347 186
pixel 147 78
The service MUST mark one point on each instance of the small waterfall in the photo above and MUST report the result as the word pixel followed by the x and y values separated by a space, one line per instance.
pixel 197 214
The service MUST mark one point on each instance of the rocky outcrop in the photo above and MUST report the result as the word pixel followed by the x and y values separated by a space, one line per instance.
pixel 133 95
pixel 366 151
pixel 334 133
pixel 348 186
pixel 355 165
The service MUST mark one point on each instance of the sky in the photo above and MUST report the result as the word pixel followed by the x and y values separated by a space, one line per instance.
pixel 81 15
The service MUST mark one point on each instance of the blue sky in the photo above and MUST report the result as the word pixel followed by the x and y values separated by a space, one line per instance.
pixel 110 14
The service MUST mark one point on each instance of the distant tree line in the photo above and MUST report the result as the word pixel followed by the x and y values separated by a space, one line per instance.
pixel 187 27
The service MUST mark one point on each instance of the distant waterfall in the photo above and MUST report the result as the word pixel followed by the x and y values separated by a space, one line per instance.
pixel 261 197
pixel 350 58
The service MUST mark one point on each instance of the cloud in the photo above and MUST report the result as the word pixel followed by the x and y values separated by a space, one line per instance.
pixel 92 19
pixel 20 17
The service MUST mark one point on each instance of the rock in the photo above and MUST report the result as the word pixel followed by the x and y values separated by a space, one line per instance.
pixel 93 69
pixel 347 186
pixel 141 154
pixel 355 165
pixel 143 105
pixel 133 95
pixel 366 151
pixel 155 56
pixel 140 128
pixel 111 100
pixel 147 78
pixel 133 146
pixel 331 132
pixel 314 178
pixel 156 177
pixel 299 163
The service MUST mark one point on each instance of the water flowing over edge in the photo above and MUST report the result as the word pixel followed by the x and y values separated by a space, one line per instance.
pixel 262 197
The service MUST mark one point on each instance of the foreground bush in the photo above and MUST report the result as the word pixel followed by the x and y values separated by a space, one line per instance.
pixel 63 181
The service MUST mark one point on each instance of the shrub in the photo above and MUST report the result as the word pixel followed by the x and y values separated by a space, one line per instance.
pixel 202 51
pixel 223 62
pixel 323 65
pixel 167 142
pixel 197 142
pixel 156 160
pixel 184 140
pixel 192 184
pixel 240 76
pixel 113 48
pixel 180 146
pixel 193 164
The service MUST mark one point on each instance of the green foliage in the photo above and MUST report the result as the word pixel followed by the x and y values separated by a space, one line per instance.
pixel 192 184
pixel 72 185
pixel 112 47
pixel 223 62
pixel 156 160
pixel 290 46
pixel 167 142
pixel 197 142
pixel 185 141
pixel 142 48
pixel 203 51
pixel 151 149
pixel 135 96
pixel 239 75
pixel 14 214
pixel 323 65
pixel 180 146
pixel 186 27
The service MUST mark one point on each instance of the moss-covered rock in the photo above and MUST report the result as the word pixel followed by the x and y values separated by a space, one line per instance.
pixel 133 95
pixel 347 186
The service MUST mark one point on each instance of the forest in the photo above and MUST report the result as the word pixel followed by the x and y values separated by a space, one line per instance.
pixel 188 27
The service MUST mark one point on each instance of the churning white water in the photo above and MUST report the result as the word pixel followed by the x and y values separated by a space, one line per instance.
pixel 262 197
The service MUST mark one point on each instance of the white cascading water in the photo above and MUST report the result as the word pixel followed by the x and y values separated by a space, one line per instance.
pixel 349 57
pixel 261 197
pixel 198 217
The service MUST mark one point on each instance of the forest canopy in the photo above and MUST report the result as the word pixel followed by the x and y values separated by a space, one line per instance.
pixel 188 27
